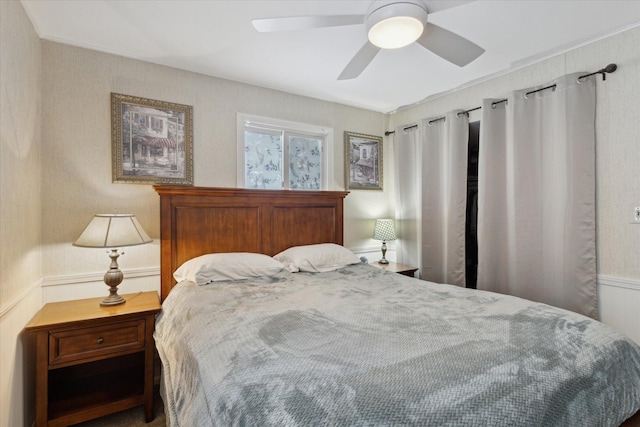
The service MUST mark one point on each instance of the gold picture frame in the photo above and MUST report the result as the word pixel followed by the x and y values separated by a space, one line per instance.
pixel 363 161
pixel 152 141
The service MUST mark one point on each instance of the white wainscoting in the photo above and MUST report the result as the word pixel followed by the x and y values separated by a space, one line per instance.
pixel 17 361
pixel 91 285
pixel 373 254
pixel 619 303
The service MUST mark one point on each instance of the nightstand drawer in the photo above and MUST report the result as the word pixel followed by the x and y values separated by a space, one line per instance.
pixel 77 344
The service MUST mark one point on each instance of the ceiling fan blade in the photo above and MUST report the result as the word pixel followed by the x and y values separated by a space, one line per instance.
pixel 359 62
pixel 294 23
pixel 449 46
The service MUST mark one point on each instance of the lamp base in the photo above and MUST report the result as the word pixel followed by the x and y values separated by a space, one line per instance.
pixel 384 253
pixel 113 299
pixel 112 278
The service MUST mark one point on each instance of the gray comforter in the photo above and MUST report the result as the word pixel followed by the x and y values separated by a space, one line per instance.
pixel 363 347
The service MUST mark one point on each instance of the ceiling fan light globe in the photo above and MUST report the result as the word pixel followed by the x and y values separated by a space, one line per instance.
pixel 395 24
pixel 396 32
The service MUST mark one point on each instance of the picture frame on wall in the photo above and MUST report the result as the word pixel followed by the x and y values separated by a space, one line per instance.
pixel 363 161
pixel 152 141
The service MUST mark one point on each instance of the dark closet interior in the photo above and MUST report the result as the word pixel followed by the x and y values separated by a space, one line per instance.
pixel 471 227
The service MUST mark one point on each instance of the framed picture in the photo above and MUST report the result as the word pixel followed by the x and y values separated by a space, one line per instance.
pixel 152 141
pixel 363 161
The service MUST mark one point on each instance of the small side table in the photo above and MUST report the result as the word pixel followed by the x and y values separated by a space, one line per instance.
pixel 393 267
pixel 93 360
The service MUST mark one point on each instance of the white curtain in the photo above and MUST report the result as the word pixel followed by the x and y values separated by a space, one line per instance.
pixel 536 195
pixel 431 177
pixel 407 149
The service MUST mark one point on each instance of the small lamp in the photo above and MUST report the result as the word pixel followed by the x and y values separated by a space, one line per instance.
pixel 385 231
pixel 113 231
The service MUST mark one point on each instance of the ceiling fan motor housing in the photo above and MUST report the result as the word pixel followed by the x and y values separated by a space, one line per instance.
pixel 395 24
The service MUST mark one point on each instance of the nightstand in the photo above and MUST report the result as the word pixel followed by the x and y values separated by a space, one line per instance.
pixel 94 360
pixel 393 267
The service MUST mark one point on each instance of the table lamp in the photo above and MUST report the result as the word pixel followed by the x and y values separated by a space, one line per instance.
pixel 113 231
pixel 385 231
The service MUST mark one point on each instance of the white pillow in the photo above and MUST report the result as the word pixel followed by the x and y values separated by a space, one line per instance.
pixel 317 258
pixel 227 266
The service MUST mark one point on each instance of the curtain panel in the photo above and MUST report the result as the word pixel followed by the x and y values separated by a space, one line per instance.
pixel 431 177
pixel 444 198
pixel 407 151
pixel 536 195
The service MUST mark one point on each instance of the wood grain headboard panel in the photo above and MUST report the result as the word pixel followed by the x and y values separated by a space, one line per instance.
pixel 198 220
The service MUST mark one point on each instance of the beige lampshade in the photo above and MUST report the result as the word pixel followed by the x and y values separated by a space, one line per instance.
pixel 384 230
pixel 112 231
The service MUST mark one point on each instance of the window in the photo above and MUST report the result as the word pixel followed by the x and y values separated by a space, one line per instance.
pixel 276 154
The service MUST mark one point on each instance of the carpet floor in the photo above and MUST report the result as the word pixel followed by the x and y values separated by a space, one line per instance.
pixel 133 417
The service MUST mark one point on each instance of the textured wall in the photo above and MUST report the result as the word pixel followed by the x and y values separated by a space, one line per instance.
pixel 20 161
pixel 617 130
pixel 77 146
pixel 20 208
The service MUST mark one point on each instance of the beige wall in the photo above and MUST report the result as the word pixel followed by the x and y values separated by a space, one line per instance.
pixel 20 207
pixel 20 160
pixel 77 146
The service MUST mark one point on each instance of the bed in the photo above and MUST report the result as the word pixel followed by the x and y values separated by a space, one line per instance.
pixel 343 343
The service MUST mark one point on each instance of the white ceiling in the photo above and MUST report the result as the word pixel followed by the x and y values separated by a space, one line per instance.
pixel 216 38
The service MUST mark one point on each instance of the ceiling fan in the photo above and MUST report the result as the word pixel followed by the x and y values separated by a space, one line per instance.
pixel 390 24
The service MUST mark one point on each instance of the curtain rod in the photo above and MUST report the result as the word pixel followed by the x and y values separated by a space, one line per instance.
pixel 608 69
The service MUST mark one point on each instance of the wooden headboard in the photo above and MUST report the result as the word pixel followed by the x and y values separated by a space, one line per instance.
pixel 198 220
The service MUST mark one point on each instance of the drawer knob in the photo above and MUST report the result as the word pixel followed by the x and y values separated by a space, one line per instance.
pixel 100 341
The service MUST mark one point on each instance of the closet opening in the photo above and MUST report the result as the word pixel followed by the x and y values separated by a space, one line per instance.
pixel 471 226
